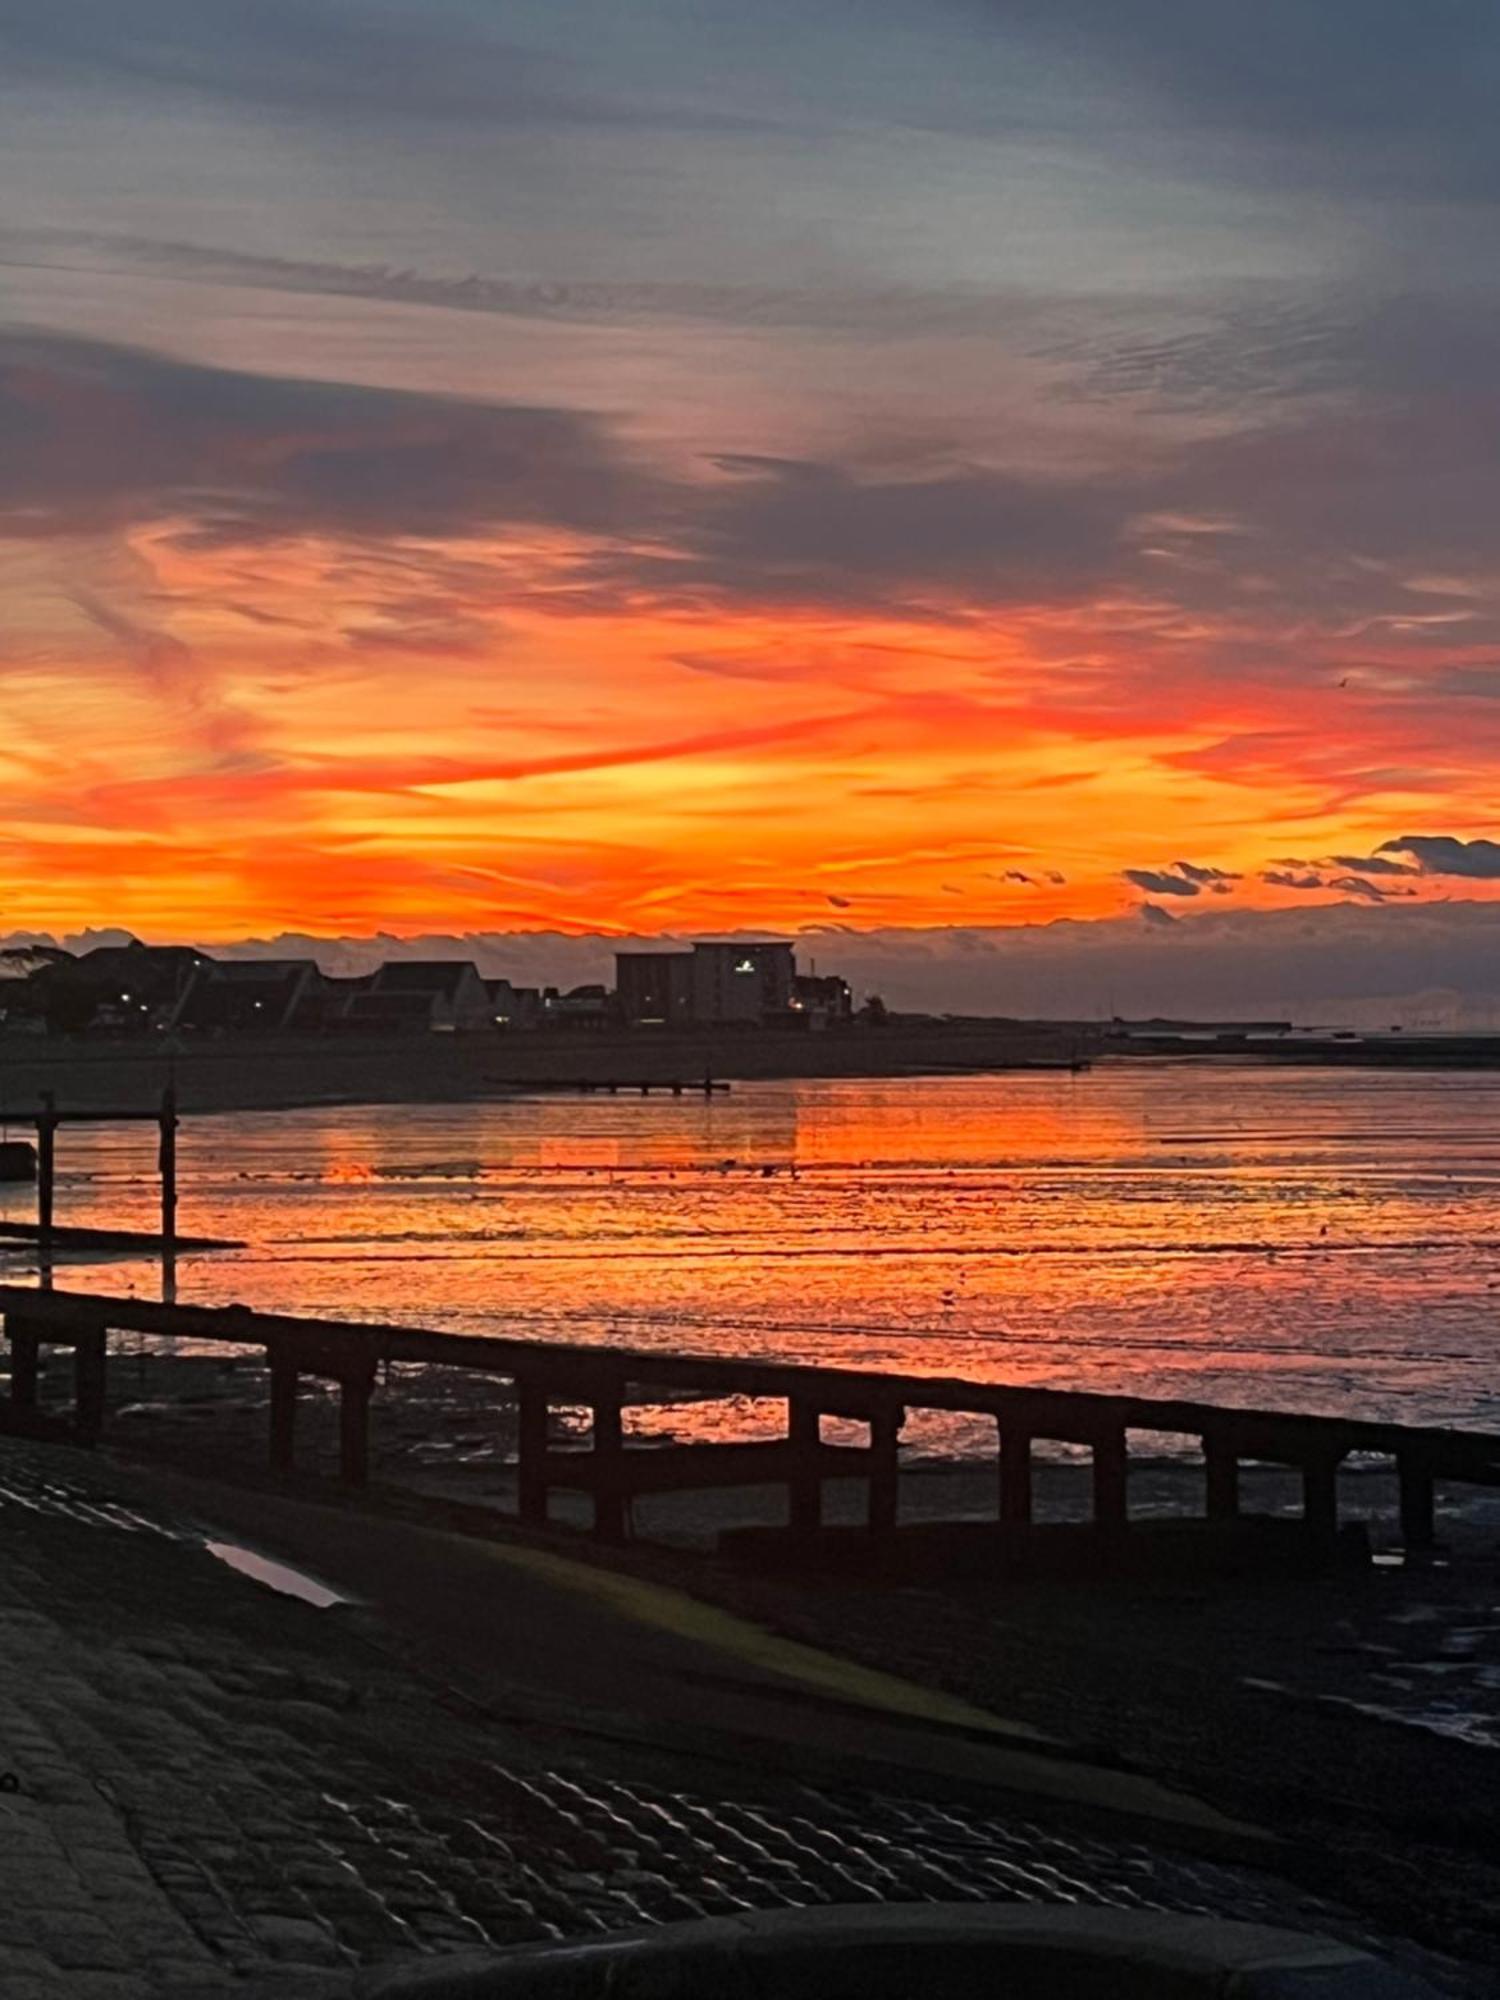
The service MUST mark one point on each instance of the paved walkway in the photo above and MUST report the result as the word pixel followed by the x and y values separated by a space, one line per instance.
pixel 218 1789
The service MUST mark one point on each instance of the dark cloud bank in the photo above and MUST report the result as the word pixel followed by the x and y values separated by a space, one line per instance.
pixel 98 438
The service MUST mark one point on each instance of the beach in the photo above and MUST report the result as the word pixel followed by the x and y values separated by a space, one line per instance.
pixel 1306 1243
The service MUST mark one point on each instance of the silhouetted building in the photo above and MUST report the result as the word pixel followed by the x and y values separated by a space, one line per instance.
pixel 22 1008
pixel 255 996
pixel 116 988
pixel 415 995
pixel 584 1006
pixel 821 1002
pixel 654 988
pixel 514 1007
pixel 719 982
pixel 748 983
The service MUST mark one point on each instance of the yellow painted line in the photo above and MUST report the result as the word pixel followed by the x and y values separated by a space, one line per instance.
pixel 686 1617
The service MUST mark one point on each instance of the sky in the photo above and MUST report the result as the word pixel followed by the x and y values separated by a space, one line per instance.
pixel 908 470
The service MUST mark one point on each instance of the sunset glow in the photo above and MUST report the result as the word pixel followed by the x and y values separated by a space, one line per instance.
pixel 1006 478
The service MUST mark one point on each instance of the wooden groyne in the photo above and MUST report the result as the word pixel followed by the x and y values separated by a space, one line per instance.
pixel 606 1379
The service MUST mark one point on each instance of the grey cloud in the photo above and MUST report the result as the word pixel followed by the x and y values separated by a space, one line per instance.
pixel 1389 93
pixel 1283 878
pixel 1442 854
pixel 1156 883
pixel 331 59
pixel 1364 891
pixel 1184 878
pixel 1153 914
pixel 1374 864
pixel 94 437
pixel 883 310
pixel 774 527
pixel 1217 880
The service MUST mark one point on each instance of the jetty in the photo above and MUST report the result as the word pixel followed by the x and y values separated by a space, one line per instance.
pixel 605 1380
pixel 589 1086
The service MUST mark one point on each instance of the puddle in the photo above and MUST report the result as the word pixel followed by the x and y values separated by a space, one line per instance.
pixel 49 1497
pixel 277 1576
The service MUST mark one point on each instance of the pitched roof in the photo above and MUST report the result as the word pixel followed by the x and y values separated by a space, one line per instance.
pixel 424 975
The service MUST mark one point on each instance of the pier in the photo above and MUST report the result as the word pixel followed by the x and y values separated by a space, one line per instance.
pixel 588 1086
pixel 605 1381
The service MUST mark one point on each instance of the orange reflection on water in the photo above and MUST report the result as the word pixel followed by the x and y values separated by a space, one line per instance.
pixel 1318 1240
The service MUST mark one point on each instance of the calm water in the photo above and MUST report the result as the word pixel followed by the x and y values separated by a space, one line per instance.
pixel 1322 1240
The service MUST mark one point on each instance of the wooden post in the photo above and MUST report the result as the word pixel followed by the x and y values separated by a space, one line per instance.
pixel 89 1382
pixel 1221 1471
pixel 283 1411
pixel 1418 1499
pixel 1015 1475
pixel 46 1183
pixel 1111 1474
pixel 609 1449
pixel 532 1407
pixel 805 1487
pixel 885 1468
pixel 25 1363
pixel 356 1386
pixel 1320 1496
pixel 167 1160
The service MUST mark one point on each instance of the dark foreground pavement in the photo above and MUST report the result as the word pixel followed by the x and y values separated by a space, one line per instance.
pixel 209 1787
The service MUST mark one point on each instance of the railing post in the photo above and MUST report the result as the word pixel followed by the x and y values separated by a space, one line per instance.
pixel 25 1362
pixel 885 1470
pixel 1111 1475
pixel 805 1486
pixel 609 1449
pixel 532 1407
pixel 46 1183
pixel 167 1161
pixel 1221 1471
pixel 1418 1502
pixel 283 1410
pixel 89 1351
pixel 1015 1474
pixel 356 1386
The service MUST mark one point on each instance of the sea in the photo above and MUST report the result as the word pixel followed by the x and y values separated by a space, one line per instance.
pixel 1299 1238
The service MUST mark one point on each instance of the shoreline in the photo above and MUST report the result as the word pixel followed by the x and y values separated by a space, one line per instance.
pixel 284 1073
pixel 298 1073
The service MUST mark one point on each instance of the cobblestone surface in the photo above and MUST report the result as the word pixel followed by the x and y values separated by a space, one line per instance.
pixel 205 1787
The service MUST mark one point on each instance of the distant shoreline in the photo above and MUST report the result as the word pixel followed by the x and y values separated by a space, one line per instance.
pixel 277 1074
pixel 282 1074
